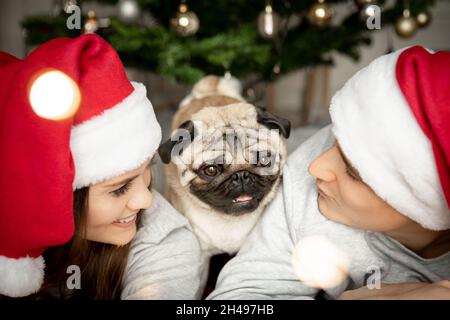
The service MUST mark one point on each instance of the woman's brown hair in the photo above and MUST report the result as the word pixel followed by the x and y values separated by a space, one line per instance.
pixel 102 265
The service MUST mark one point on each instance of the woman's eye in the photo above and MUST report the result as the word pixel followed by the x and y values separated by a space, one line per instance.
pixel 122 190
pixel 264 160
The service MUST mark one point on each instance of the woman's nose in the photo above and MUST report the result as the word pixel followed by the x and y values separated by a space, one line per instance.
pixel 322 167
pixel 141 200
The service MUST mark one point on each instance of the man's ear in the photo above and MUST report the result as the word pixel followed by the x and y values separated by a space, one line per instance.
pixel 178 136
pixel 272 121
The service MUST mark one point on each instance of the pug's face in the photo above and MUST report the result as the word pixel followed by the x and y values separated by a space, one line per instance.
pixel 234 188
pixel 229 157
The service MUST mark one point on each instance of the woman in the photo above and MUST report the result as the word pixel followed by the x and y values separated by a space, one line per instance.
pixel 365 202
pixel 76 182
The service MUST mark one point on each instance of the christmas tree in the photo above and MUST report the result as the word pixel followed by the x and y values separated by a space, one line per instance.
pixel 184 40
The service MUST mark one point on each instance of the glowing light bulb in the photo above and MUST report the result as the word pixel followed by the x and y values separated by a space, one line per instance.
pixel 369 11
pixel 54 95
pixel 268 21
pixel 183 21
pixel 128 10
pixel 319 263
pixel 320 12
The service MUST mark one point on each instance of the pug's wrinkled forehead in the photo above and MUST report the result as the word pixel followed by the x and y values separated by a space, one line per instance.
pixel 228 135
pixel 235 114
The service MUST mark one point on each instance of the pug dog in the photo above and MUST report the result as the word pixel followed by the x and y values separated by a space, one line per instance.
pixel 225 160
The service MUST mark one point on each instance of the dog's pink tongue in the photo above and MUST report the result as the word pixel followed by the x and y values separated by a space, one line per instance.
pixel 244 197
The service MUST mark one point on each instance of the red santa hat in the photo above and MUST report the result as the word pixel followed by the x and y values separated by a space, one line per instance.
pixel 112 130
pixel 392 122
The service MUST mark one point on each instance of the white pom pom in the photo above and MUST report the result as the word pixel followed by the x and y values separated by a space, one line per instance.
pixel 21 277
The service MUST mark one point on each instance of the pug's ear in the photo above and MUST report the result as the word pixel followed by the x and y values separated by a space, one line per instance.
pixel 272 121
pixel 177 137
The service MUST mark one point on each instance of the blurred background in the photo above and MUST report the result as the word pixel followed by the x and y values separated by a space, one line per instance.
pixel 291 56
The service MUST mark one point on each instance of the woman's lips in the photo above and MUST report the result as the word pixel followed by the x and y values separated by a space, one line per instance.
pixel 126 222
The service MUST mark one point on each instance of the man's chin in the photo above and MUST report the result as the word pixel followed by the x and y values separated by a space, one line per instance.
pixel 322 206
pixel 330 214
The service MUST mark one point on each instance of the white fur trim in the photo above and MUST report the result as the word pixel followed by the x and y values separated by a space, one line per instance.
pixel 21 277
pixel 117 141
pixel 379 134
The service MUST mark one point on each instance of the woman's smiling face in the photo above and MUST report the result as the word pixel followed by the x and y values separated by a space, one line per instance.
pixel 113 206
pixel 343 196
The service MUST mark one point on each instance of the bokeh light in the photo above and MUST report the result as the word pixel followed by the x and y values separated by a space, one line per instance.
pixel 319 263
pixel 54 95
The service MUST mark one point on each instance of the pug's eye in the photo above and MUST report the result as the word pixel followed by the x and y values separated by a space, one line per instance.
pixel 211 170
pixel 264 159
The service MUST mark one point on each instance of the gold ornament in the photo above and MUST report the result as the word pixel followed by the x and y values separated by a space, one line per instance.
pixel 186 22
pixel 406 26
pixel 91 25
pixel 268 22
pixel 320 14
pixel 423 19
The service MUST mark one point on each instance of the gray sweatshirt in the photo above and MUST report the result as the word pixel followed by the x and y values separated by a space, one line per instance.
pixel 263 267
pixel 164 261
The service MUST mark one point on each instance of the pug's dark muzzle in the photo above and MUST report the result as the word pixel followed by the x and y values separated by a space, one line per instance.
pixel 241 192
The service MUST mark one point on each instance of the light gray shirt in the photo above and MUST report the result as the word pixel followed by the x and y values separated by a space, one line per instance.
pixel 165 257
pixel 263 267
